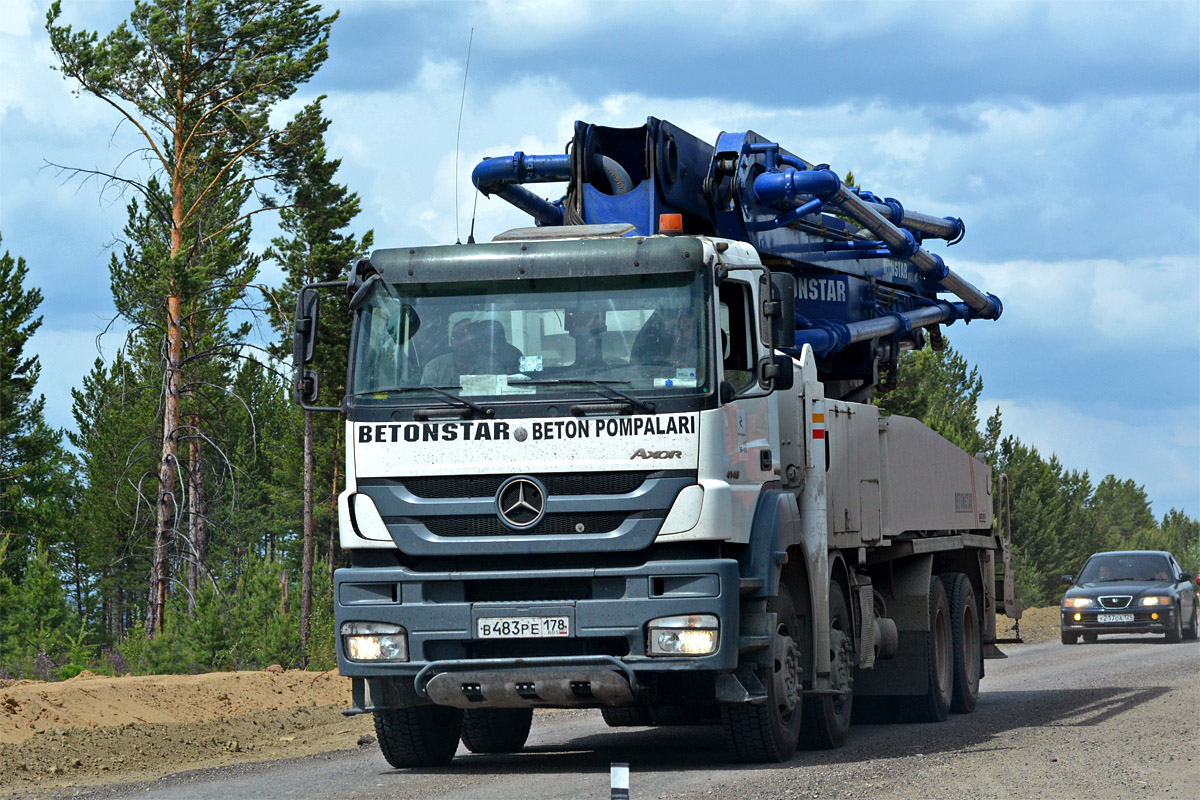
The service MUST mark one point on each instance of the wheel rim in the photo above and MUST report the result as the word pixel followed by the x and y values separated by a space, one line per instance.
pixel 786 675
pixel 943 655
pixel 839 664
pixel 970 645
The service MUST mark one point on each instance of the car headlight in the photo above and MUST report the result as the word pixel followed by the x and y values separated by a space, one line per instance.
pixel 1078 602
pixel 683 635
pixel 1156 600
pixel 374 641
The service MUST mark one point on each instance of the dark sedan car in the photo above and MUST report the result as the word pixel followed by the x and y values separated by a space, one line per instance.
pixel 1133 591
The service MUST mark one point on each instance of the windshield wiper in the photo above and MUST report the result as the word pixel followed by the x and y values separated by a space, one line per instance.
pixel 454 399
pixel 605 386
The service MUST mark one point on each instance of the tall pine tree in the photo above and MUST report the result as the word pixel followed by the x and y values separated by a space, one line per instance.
pixel 316 247
pixel 198 79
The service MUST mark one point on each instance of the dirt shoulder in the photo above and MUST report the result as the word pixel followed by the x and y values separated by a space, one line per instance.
pixel 94 730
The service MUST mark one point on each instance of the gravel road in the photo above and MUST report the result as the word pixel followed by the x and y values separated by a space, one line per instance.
pixel 1115 719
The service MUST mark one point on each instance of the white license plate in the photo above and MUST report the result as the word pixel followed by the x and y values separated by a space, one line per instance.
pixel 522 627
pixel 1114 617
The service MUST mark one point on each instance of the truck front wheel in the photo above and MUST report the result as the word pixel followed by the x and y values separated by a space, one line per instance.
pixel 827 718
pixel 627 716
pixel 418 736
pixel 769 731
pixel 496 730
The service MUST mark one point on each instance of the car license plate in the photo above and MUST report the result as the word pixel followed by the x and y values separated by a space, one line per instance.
pixel 1114 617
pixel 522 627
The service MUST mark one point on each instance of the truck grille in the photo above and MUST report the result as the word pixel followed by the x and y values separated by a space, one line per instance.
pixel 448 486
pixel 551 525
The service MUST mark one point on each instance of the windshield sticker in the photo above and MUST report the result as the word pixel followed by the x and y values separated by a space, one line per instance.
pixel 492 384
pixel 531 364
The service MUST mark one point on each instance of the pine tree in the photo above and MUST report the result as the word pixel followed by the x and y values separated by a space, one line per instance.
pixel 115 411
pixel 33 486
pixel 941 390
pixel 1039 520
pixel 1122 514
pixel 316 247
pixel 198 79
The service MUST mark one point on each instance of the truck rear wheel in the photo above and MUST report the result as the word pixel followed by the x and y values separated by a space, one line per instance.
pixel 496 730
pixel 967 641
pixel 769 731
pixel 419 736
pixel 827 718
pixel 934 705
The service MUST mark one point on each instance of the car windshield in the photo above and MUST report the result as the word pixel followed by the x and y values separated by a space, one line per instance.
pixel 632 335
pixel 1122 567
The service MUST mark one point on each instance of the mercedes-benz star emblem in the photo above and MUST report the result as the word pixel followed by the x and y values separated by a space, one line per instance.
pixel 521 502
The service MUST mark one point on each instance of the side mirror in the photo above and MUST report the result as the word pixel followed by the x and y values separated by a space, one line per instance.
pixel 308 386
pixel 777 372
pixel 780 310
pixel 1068 579
pixel 304 341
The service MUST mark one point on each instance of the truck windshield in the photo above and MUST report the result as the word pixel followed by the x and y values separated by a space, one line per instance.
pixel 639 334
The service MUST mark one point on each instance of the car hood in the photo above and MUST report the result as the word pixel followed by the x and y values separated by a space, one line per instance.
pixel 1096 588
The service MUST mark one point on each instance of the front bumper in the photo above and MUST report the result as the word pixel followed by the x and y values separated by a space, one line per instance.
pixel 1144 620
pixel 598 664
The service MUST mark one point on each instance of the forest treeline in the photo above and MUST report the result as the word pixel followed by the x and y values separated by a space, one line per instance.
pixel 186 520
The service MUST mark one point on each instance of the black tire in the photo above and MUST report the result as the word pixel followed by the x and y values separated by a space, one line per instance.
pixel 1070 638
pixel 1091 638
pixel 420 736
pixel 496 730
pixel 934 705
pixel 1175 634
pixel 1192 631
pixel 627 717
pixel 672 715
pixel 967 641
pixel 769 732
pixel 827 719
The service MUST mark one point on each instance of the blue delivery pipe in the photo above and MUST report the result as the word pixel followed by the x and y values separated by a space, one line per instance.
pixel 501 176
pixel 788 186
pixel 828 336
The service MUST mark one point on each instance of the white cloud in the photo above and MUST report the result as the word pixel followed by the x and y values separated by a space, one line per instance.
pixel 1140 303
pixel 1159 451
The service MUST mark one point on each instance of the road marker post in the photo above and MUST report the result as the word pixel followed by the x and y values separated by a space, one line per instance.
pixel 618 781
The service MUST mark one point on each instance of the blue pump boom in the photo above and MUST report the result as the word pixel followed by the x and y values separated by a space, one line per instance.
pixel 866 285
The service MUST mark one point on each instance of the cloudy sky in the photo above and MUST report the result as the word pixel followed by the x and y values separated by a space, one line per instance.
pixel 1065 134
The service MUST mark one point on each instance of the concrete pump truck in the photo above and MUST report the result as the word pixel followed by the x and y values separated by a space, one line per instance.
pixel 625 459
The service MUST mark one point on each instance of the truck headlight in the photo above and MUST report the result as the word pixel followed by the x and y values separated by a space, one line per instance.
pixel 683 635
pixel 374 641
pixel 1157 600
